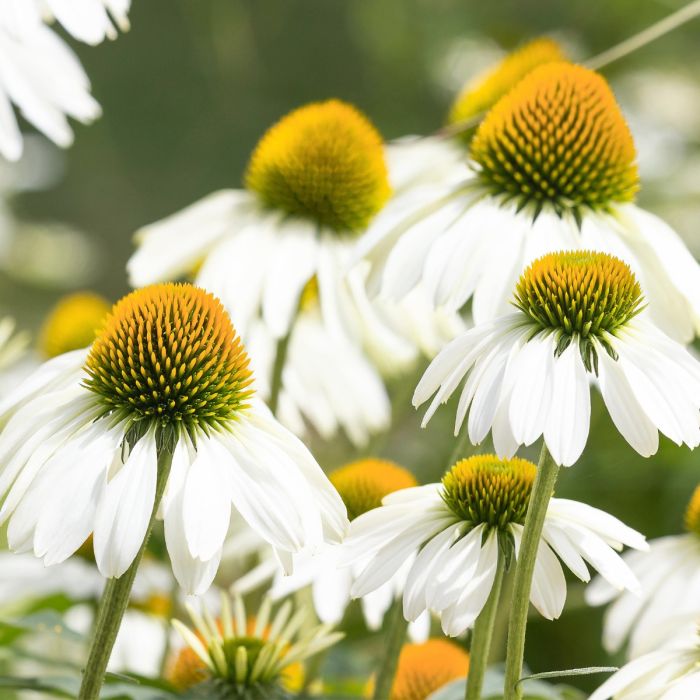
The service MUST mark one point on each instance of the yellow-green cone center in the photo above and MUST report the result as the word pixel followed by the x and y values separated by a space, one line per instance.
pixel 363 484
pixel 487 490
pixel 323 162
pixel 558 138
pixel 169 354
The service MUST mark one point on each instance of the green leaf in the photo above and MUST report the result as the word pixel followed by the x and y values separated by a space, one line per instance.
pixel 587 671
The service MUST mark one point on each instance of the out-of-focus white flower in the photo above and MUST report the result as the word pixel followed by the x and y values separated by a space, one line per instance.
pixel 579 321
pixel 455 530
pixel 669 574
pixel 669 673
pixel 361 485
pixel 529 191
pixel 41 76
pixel 81 431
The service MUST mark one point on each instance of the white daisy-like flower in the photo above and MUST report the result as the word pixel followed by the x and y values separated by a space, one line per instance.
pixel 89 21
pixel 579 320
pixel 669 673
pixel 167 373
pixel 551 167
pixel 43 78
pixel 456 528
pixel 261 654
pixel 361 485
pixel 669 574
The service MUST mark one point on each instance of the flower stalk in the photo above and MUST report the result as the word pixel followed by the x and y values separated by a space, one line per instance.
pixel 115 597
pixel 547 472
pixel 395 637
pixel 483 634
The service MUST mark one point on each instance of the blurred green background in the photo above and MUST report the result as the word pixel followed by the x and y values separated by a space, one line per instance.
pixel 188 91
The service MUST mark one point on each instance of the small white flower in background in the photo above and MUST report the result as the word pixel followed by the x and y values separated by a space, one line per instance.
pixel 669 574
pixel 579 320
pixel 456 528
pixel 361 485
pixel 265 652
pixel 535 184
pixel 669 673
pixel 81 436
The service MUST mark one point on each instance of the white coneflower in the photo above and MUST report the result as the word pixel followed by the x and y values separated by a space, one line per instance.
pixel 456 528
pixel 669 574
pixel 242 657
pixel 166 373
pixel 552 166
pixel 669 673
pixel 579 320
pixel 361 485
pixel 42 77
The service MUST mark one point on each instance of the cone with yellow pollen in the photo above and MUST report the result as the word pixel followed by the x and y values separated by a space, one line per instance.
pixel 169 353
pixel 485 90
pixel 558 138
pixel 324 162
pixel 72 323
pixel 363 484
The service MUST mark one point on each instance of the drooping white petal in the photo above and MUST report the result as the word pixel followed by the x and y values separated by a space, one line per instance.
pixel 125 508
pixel 548 593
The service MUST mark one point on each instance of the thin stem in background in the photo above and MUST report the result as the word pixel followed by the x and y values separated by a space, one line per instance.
pixel 547 472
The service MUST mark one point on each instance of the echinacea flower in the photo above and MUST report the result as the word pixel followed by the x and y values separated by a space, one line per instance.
pixel 424 668
pixel 90 21
pixel 455 529
pixel 669 574
pixel 551 167
pixel 244 657
pixel 72 323
pixel 43 78
pixel 80 440
pixel 362 485
pixel 669 673
pixel 579 320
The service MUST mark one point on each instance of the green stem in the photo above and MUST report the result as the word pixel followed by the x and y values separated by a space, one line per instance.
pixel 115 599
pixel 278 369
pixel 547 471
pixel 482 635
pixel 646 36
pixel 395 637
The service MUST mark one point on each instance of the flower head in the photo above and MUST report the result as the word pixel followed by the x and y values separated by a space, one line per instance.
pixel 73 323
pixel 454 533
pixel 424 668
pixel 363 484
pixel 528 372
pixel 241 655
pixel 485 90
pixel 557 138
pixel 323 162
pixel 485 490
pixel 167 373
pixel 169 354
